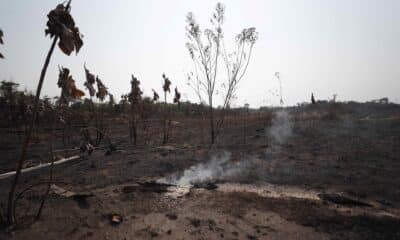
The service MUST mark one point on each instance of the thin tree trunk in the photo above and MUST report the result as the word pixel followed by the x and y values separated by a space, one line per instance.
pixel 244 127
pixel 28 134
pixel 212 130
pixel 165 119
pixel 134 131
pixel 131 131
pixel 132 127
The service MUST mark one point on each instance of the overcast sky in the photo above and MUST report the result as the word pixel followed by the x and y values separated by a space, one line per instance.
pixel 345 47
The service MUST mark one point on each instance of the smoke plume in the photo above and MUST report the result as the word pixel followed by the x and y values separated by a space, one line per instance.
pixel 218 167
pixel 281 128
pixel 221 167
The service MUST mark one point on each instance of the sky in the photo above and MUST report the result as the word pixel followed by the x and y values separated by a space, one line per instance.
pixel 346 47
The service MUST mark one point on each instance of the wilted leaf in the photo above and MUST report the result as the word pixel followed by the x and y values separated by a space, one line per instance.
pixel 76 93
pixel 155 96
pixel 1 37
pixel 60 23
pixel 69 90
pixel 90 80
pixel 1 42
pixel 136 93
pixel 66 43
pixel 177 96
pixel 77 39
pixel 167 84
pixel 92 90
pixel 101 90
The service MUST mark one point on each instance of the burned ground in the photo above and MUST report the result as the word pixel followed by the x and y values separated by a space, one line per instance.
pixel 351 150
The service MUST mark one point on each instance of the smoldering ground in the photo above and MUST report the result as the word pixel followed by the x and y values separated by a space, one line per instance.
pixel 222 166
pixel 219 167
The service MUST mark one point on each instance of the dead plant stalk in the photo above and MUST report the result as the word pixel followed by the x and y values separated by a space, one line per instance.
pixel 29 132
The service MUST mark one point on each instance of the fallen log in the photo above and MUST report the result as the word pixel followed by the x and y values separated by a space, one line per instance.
pixel 63 160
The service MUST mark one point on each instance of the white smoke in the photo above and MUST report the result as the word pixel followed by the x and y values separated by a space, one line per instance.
pixel 218 167
pixel 279 133
pixel 281 128
pixel 221 167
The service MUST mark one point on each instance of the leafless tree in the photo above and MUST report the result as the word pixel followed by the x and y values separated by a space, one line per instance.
pixel 278 77
pixel 166 89
pixel 205 49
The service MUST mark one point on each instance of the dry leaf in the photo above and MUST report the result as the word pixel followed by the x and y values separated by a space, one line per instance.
pixel 1 42
pixel 167 84
pixel 136 94
pixel 90 80
pixel 155 96
pixel 101 90
pixel 177 96
pixel 92 90
pixel 75 92
pixel 77 39
pixel 69 91
pixel 60 23
pixel 1 37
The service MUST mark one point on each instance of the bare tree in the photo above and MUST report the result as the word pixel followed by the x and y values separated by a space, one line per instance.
pixel 166 88
pixel 8 91
pixel 236 64
pixel 135 98
pixel 205 49
pixel 278 77
pixel 101 94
